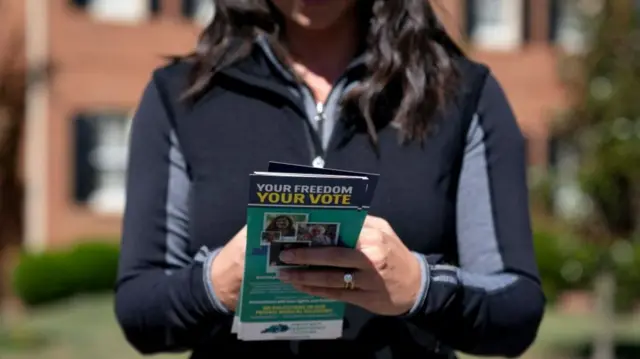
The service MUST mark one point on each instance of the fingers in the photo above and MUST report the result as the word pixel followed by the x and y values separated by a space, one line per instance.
pixel 240 238
pixel 378 224
pixel 327 278
pixel 326 256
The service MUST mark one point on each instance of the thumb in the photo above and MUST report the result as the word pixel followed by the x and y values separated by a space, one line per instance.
pixel 378 223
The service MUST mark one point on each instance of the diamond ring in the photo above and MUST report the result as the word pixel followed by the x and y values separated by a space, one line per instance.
pixel 349 281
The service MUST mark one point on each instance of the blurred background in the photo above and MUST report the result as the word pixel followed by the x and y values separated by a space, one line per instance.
pixel 72 72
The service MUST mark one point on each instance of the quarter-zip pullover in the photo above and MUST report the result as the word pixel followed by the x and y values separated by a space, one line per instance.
pixel 459 202
pixel 321 115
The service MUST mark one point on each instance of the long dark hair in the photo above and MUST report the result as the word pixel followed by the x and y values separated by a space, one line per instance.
pixel 405 47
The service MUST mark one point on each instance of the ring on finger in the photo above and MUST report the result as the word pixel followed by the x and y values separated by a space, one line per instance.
pixel 349 281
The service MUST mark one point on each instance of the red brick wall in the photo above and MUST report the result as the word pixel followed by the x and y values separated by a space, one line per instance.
pixel 98 66
pixel 105 65
pixel 528 75
pixel 11 20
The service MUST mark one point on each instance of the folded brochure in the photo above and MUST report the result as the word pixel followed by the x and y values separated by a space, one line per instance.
pixel 293 206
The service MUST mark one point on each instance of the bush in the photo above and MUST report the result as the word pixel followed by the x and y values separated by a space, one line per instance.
pixel 628 277
pixel 550 260
pixel 564 262
pixel 94 265
pixel 89 267
pixel 43 278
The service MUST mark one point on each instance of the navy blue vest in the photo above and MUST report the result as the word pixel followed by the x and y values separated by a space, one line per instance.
pixel 247 120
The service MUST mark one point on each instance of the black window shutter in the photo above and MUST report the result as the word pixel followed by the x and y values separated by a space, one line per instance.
pixel 189 8
pixel 85 141
pixel 470 17
pixel 155 6
pixel 554 19
pixel 526 21
pixel 80 3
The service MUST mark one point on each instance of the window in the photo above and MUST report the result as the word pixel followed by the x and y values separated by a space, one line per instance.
pixel 119 10
pixel 569 201
pixel 496 24
pixel 101 141
pixel 126 11
pixel 202 11
pixel 566 25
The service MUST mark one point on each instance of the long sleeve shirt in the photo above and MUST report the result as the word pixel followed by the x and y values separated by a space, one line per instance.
pixel 487 303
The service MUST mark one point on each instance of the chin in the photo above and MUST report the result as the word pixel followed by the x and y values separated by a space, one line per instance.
pixel 316 24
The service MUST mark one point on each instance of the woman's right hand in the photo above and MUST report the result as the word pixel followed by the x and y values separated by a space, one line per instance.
pixel 227 270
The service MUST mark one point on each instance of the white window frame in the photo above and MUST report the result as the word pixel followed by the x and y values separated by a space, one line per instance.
pixel 507 34
pixel 121 11
pixel 109 159
pixel 569 201
pixel 204 13
pixel 569 32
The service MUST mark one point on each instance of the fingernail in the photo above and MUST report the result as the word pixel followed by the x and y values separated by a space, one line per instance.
pixel 286 256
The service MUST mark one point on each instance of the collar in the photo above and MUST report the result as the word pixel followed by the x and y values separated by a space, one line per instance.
pixel 282 70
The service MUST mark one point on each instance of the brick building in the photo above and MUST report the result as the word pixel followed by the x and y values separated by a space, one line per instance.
pixel 103 51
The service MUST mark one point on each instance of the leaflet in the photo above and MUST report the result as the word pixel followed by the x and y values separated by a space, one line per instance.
pixel 289 210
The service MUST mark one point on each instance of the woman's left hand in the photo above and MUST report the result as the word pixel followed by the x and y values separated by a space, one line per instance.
pixel 386 275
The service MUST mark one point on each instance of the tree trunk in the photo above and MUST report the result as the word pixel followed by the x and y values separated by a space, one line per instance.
pixel 604 290
pixel 635 207
pixel 11 309
pixel 12 90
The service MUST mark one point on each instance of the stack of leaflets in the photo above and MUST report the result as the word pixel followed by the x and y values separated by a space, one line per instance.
pixel 293 206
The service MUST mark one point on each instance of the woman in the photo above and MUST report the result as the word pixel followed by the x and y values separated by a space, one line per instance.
pixel 282 224
pixel 318 237
pixel 445 261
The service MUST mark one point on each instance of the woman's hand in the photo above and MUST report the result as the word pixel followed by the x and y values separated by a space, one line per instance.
pixel 386 275
pixel 227 270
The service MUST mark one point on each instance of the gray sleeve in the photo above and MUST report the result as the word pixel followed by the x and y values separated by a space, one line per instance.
pixel 164 298
pixel 490 302
pixel 178 224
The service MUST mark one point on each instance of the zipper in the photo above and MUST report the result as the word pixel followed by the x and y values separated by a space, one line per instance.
pixel 319 118
pixel 319 155
pixel 315 142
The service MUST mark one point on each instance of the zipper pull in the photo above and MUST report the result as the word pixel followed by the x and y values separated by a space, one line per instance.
pixel 319 112
pixel 318 162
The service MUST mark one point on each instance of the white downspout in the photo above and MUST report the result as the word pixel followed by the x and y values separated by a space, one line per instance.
pixel 36 125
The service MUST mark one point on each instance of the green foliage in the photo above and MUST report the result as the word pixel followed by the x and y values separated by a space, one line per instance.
pixel 90 266
pixel 567 263
pixel 564 263
pixel 605 120
pixel 628 276
pixel 94 265
pixel 43 278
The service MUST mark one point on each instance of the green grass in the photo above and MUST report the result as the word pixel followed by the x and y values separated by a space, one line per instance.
pixel 563 330
pixel 85 328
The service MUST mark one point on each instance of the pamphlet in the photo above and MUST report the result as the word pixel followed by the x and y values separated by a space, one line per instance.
pixel 296 209
pixel 293 168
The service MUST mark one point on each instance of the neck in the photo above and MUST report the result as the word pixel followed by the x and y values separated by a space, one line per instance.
pixel 326 52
